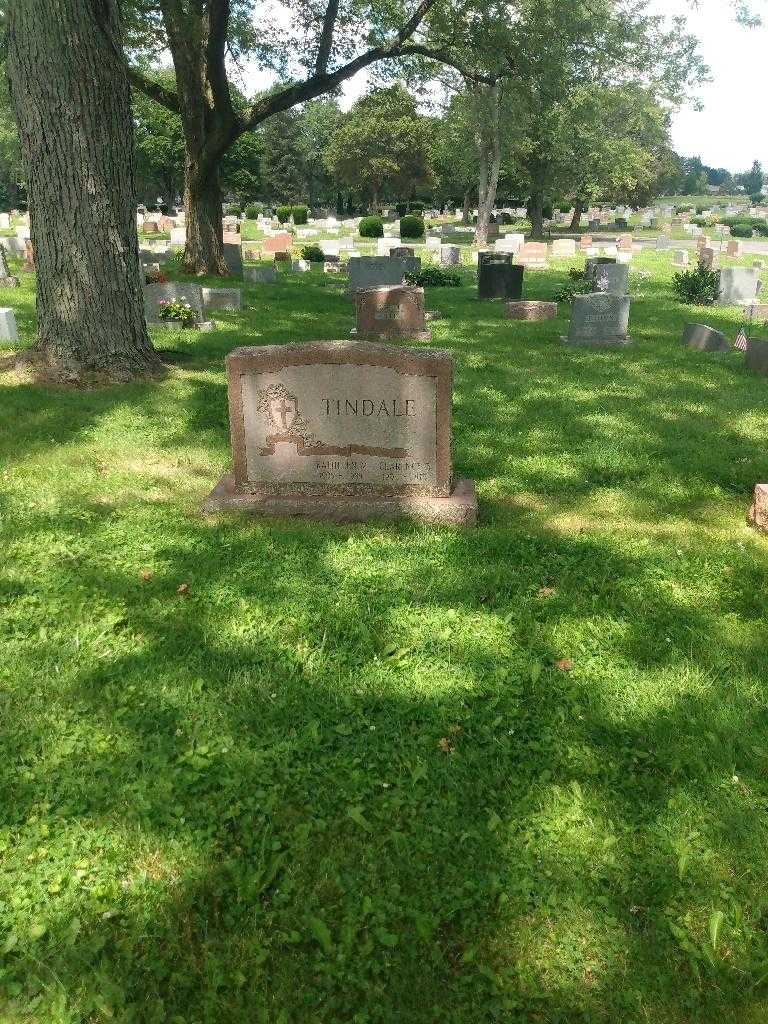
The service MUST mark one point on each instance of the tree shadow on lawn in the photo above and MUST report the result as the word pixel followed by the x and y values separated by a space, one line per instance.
pixel 273 764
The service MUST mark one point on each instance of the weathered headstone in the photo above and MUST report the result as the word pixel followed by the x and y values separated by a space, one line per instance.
pixel 8 331
pixel 707 257
pixel 705 339
pixel 222 298
pixel 610 278
pixel 680 258
pixel 281 242
pixel 498 277
pixel 586 242
pixel 347 431
pixel 374 271
pixel 233 257
pixel 532 255
pixel 7 280
pixel 563 248
pixel 734 249
pixel 389 312
pixel 599 320
pixel 738 286
pixel 756 356
pixel 662 242
pixel 261 275
pixel 450 255
pixel 172 291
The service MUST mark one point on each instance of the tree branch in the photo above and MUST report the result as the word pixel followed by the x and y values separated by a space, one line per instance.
pixel 323 82
pixel 157 92
pixel 326 37
pixel 218 15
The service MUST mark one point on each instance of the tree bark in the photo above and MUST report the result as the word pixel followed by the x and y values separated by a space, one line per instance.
pixel 578 209
pixel 486 101
pixel 70 94
pixel 536 214
pixel 204 251
pixel 465 219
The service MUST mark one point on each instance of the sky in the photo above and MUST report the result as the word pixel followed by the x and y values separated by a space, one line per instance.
pixel 730 131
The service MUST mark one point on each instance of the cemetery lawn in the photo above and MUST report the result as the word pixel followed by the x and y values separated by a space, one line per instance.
pixel 283 773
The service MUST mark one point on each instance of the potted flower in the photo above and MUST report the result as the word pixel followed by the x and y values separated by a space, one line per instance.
pixel 178 311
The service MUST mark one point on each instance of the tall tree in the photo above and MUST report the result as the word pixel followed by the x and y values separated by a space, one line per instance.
pixel 201 36
pixel 70 92
pixel 382 144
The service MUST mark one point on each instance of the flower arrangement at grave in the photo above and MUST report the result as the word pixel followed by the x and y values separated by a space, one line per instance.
pixel 176 310
pixel 155 277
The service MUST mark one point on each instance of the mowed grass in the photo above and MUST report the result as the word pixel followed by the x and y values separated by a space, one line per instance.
pixel 381 774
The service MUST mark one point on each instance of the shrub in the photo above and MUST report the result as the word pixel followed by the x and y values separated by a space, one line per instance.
pixel 401 208
pixel 564 209
pixel 313 253
pixel 253 210
pixel 434 277
pixel 762 228
pixel 577 284
pixel 283 214
pixel 411 227
pixel 371 227
pixel 300 214
pixel 741 230
pixel 505 218
pixel 232 209
pixel 417 207
pixel 699 287
pixel 757 198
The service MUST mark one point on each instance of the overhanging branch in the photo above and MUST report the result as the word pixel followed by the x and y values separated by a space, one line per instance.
pixel 157 92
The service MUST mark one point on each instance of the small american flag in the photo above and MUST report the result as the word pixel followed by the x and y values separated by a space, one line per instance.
pixel 741 341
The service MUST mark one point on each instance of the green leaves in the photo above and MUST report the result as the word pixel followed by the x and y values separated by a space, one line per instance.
pixel 321 932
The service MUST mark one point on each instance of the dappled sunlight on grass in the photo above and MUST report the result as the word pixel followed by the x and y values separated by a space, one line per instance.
pixel 292 772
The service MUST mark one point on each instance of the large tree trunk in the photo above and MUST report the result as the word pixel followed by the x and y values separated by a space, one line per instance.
pixel 72 102
pixel 536 214
pixel 465 218
pixel 204 252
pixel 578 209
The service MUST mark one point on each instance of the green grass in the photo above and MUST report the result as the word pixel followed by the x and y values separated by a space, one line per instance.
pixel 341 778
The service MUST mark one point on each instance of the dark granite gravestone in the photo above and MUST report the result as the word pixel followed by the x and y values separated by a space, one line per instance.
pixel 498 277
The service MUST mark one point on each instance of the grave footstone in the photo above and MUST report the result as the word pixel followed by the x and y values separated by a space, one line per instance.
pixel 498 277
pixel 389 312
pixel 347 431
pixel 530 309
pixel 705 339
pixel 599 320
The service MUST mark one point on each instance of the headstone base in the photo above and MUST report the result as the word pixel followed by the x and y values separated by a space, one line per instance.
pixel 9 282
pixel 390 335
pixel 459 509
pixel 174 325
pixel 597 342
